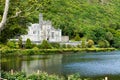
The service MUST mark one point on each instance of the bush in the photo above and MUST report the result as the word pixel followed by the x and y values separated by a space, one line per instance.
pixel 109 36
pixel 20 43
pixel 69 46
pixel 45 45
pixel 41 76
pixel 103 44
pixel 1 46
pixel 83 44
pixel 35 48
pixel 55 45
pixel 74 77
pixel 78 46
pixel 116 42
pixel 90 43
pixel 28 44
pixel 11 44
pixel 5 48
pixel 77 37
pixel 44 76
pixel 63 46
pixel 15 76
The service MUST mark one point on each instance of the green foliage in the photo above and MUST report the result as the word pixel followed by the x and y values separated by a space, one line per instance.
pixel 83 43
pixel 90 43
pixel 43 76
pixel 1 45
pixel 4 47
pixel 78 46
pixel 74 77
pixel 96 22
pixel 28 44
pixel 20 43
pixel 11 44
pixel 69 46
pixel 77 37
pixel 17 75
pixel 45 45
pixel 35 48
pixel 103 43
pixel 63 46
pixel 109 36
pixel 55 45
pixel 116 40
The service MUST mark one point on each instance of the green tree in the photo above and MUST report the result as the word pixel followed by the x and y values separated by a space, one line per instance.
pixel 116 41
pixel 77 37
pixel 109 36
pixel 28 44
pixel 20 42
pixel 83 43
pixel 45 45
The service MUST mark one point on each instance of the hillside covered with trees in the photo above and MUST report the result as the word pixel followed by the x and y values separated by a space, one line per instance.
pixel 98 20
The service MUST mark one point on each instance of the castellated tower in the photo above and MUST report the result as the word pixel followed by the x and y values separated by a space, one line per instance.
pixel 40 18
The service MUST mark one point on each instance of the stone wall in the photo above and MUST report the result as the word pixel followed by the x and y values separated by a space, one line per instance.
pixel 65 39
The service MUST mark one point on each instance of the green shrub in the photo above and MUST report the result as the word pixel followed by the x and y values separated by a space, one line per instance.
pixel 20 43
pixel 55 45
pixel 69 46
pixel 44 76
pixel 109 36
pixel 77 37
pixel 41 76
pixel 15 76
pixel 103 44
pixel 45 45
pixel 116 42
pixel 28 44
pixel 83 43
pixel 107 44
pixel 63 46
pixel 78 46
pixel 35 48
pixel 74 77
pixel 11 44
pixel 90 43
pixel 1 46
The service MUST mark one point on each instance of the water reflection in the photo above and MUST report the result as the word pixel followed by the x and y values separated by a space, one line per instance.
pixel 51 64
pixel 87 64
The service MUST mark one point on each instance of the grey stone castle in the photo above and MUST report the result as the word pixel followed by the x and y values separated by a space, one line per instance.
pixel 44 30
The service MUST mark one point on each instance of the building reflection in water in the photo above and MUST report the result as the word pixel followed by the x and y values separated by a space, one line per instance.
pixel 49 63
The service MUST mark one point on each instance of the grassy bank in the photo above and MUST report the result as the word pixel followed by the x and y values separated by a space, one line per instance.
pixel 20 52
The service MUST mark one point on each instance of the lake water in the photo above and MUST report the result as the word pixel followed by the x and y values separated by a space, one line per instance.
pixel 88 64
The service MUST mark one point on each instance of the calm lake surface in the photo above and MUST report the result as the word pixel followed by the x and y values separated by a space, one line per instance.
pixel 88 64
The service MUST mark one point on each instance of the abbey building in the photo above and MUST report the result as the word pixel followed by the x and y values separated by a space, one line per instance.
pixel 43 30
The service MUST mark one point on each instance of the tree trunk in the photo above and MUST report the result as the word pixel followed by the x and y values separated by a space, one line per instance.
pixel 4 18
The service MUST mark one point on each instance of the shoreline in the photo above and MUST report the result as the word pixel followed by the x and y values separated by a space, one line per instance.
pixel 22 52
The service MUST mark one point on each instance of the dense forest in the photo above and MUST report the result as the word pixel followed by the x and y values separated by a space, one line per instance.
pixel 98 20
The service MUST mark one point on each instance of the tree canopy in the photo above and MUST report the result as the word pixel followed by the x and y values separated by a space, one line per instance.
pixel 93 19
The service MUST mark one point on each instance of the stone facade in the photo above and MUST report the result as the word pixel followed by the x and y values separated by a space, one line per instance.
pixel 43 30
